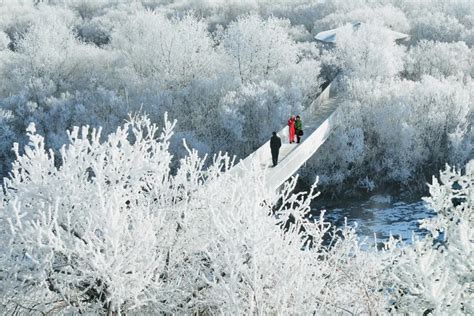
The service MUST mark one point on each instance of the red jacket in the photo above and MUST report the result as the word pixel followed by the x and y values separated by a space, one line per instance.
pixel 291 123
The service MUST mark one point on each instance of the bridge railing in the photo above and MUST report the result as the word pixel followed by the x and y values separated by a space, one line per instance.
pixel 323 112
pixel 320 113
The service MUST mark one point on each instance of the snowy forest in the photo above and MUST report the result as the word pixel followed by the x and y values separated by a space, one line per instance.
pixel 119 122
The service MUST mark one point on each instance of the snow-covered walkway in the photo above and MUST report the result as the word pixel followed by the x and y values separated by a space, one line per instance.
pixel 317 125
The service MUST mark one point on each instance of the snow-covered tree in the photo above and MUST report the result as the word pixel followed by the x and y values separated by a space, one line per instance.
pixel 253 112
pixel 436 26
pixel 16 17
pixel 387 16
pixel 439 59
pixel 388 130
pixel 4 41
pixel 106 227
pixel 258 47
pixel 366 51
pixel 435 274
pixel 172 52
pixel 92 245
pixel 45 51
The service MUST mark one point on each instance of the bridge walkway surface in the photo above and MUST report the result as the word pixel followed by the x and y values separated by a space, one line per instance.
pixel 318 120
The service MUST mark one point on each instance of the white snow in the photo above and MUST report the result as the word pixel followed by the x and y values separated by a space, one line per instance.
pixel 330 36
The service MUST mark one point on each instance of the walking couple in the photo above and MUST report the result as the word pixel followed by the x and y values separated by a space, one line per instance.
pixel 295 127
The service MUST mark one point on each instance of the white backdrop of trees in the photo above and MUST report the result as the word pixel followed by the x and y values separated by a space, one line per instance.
pixel 232 72
pixel 119 217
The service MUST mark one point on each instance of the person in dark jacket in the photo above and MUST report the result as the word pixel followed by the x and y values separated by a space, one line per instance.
pixel 275 144
pixel 298 128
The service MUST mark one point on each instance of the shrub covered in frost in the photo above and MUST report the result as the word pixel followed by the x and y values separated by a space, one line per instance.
pixel 104 226
pixel 435 274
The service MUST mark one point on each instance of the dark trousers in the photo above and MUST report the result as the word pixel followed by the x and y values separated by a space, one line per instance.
pixel 275 157
pixel 298 136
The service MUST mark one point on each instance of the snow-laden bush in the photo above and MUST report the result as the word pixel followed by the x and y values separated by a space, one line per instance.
pixel 253 112
pixel 436 26
pixel 44 53
pixel 397 131
pixel 366 51
pixel 105 227
pixel 50 60
pixel 435 274
pixel 258 47
pixel 84 232
pixel 387 16
pixel 171 52
pixel 4 41
pixel 94 31
pixel 16 17
pixel 439 59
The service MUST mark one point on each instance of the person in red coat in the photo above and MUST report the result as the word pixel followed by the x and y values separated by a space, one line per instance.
pixel 291 129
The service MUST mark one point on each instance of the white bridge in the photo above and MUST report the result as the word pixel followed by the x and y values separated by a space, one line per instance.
pixel 318 121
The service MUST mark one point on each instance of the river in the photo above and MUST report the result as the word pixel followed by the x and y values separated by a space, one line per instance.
pixel 377 216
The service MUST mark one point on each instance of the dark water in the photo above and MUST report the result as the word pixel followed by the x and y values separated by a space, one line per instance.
pixel 378 216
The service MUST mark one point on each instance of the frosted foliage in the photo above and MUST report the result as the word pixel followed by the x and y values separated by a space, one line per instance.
pixel 92 239
pixel 435 274
pixel 439 59
pixel 387 16
pixel 46 71
pixel 100 233
pixel 50 60
pixel 436 26
pixel 259 47
pixel 17 16
pixel 173 52
pixel 398 125
pixel 91 231
pixel 45 49
pixel 366 52
pixel 4 41
pixel 261 107
pixel 213 65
